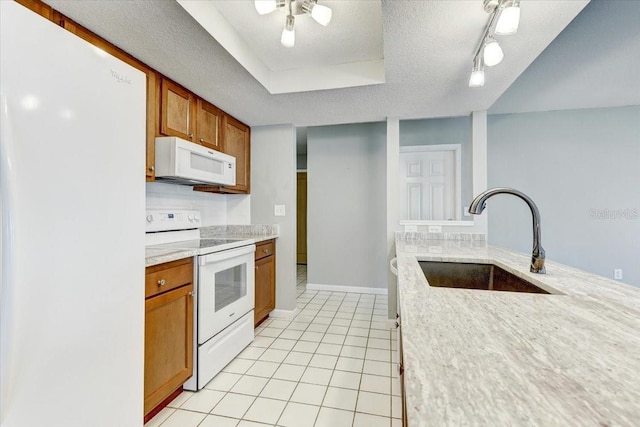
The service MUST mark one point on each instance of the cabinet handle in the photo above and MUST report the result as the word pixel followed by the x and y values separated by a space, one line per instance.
pixel 152 168
pixel 397 325
pixel 191 293
pixel 256 267
pixel 265 251
pixel 190 136
pixel 201 140
pixel 162 282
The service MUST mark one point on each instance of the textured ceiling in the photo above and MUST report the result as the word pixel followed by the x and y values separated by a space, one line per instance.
pixel 595 62
pixel 354 34
pixel 428 46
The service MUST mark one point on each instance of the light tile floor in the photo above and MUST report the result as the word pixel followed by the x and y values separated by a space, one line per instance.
pixel 333 365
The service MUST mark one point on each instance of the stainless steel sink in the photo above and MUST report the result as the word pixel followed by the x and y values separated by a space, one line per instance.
pixel 475 276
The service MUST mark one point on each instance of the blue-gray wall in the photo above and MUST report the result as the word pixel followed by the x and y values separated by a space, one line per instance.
pixel 346 205
pixel 454 130
pixel 578 166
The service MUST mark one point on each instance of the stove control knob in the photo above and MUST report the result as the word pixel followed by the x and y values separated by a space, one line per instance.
pixel 190 217
pixel 196 217
pixel 149 218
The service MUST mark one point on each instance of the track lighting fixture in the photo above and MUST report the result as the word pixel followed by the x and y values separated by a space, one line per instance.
pixel 504 20
pixel 321 14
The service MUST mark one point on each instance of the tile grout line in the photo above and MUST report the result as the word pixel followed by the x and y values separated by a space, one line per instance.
pixel 353 303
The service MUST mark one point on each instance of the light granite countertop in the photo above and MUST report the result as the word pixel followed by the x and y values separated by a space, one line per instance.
pixel 159 254
pixel 476 358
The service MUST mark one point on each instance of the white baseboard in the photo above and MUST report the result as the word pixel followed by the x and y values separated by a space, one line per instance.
pixel 339 288
pixel 284 314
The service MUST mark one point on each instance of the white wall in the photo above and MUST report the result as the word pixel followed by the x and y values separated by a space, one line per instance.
pixel 273 181
pixel 346 223
pixel 216 209
pixel 573 164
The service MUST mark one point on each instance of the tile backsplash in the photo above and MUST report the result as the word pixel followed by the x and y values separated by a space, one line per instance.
pixel 216 209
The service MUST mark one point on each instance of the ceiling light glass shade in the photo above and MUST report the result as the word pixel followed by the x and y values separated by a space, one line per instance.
pixel 288 38
pixel 492 54
pixel 477 78
pixel 509 19
pixel 265 6
pixel 321 14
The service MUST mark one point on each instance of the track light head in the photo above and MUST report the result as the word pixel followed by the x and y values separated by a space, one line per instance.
pixel 477 75
pixel 492 52
pixel 509 18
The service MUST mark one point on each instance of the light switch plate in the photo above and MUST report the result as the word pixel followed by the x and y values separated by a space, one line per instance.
pixel 278 210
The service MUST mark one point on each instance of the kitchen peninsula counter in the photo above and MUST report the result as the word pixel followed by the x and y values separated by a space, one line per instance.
pixel 475 357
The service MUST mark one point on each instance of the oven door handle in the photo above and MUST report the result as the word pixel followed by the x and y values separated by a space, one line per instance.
pixel 227 254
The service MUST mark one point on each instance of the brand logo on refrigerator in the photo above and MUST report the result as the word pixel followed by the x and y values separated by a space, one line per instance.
pixel 120 77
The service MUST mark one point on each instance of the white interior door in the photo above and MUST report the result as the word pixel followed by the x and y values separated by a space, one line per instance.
pixel 427 185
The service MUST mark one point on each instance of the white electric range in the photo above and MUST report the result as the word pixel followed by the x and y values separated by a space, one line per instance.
pixel 224 288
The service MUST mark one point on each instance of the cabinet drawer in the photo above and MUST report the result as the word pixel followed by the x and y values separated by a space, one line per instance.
pixel 171 275
pixel 264 249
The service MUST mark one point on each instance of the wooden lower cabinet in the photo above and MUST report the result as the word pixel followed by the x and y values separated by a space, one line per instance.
pixel 265 280
pixel 168 340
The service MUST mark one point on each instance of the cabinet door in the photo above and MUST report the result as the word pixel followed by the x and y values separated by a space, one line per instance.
pixel 236 143
pixel 168 339
pixel 208 125
pixel 177 111
pixel 265 288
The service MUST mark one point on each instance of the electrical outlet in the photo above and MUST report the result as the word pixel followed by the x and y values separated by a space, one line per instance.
pixel 617 273
pixel 435 229
pixel 278 210
pixel 410 228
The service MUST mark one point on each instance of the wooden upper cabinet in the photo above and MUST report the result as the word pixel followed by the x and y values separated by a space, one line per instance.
pixel 177 111
pixel 236 141
pixel 208 119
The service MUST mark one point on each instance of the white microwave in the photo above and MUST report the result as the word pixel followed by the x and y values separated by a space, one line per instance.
pixel 183 162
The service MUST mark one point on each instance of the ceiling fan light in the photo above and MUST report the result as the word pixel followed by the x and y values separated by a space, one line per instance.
pixel 492 53
pixel 321 14
pixel 509 19
pixel 265 6
pixel 288 38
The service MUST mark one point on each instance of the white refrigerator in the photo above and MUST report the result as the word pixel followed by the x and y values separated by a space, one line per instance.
pixel 72 159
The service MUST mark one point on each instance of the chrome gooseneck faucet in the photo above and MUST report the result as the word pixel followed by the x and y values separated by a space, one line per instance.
pixel 537 256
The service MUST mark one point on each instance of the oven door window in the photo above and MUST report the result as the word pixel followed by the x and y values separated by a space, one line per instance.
pixel 230 286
